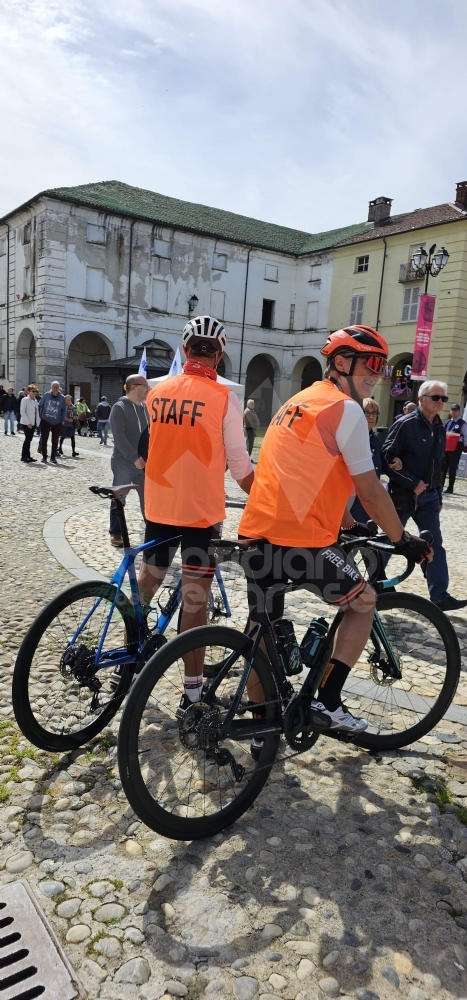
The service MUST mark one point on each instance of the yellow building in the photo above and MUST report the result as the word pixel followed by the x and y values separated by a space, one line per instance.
pixel 373 283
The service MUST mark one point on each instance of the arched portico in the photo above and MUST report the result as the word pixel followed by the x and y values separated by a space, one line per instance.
pixel 86 349
pixel 25 359
pixel 261 374
pixel 391 405
pixel 306 371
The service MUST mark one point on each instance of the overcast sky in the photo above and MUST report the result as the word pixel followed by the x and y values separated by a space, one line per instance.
pixel 293 111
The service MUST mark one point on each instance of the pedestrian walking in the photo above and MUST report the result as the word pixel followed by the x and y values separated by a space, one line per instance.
pixel 52 411
pixel 22 393
pixel 418 440
pixel 30 420
pixel 103 417
pixel 456 443
pixel 8 407
pixel 250 424
pixel 69 427
pixel 82 410
pixel 128 420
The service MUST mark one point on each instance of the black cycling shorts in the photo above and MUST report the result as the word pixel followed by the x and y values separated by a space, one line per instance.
pixel 197 552
pixel 328 572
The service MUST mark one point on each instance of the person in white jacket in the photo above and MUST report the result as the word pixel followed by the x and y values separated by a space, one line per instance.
pixel 29 419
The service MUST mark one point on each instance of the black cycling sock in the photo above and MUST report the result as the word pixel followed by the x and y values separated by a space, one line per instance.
pixel 332 683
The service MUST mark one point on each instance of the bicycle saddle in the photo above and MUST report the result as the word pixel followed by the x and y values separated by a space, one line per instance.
pixel 113 492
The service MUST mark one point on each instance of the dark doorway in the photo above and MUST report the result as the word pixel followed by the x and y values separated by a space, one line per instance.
pixel 312 372
pixel 260 387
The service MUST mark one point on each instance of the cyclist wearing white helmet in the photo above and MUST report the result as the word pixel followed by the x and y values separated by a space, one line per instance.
pixel 196 429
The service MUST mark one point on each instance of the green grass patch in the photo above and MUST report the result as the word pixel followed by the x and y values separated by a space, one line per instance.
pixel 4 793
pixel 461 814
pixel 107 741
pixel 436 787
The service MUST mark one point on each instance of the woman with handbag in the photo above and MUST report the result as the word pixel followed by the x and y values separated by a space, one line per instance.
pixel 456 443
pixel 68 427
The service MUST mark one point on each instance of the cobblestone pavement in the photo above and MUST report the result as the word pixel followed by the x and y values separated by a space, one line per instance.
pixel 346 878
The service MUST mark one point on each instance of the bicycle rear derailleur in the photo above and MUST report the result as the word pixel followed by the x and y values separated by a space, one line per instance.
pixel 199 730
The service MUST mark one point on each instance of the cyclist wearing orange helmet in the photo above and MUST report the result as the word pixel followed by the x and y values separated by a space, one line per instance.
pixel 315 454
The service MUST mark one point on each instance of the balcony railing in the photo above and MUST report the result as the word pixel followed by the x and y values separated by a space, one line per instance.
pixel 408 273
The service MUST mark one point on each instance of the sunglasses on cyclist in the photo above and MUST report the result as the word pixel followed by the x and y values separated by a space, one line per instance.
pixel 203 347
pixel 376 363
pixel 436 398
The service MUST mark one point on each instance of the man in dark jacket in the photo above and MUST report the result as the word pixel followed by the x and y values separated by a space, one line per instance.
pixel 102 417
pixel 418 441
pixel 128 420
pixel 8 408
pixel 52 411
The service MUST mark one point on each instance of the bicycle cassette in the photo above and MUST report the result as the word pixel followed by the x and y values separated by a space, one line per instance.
pixel 303 725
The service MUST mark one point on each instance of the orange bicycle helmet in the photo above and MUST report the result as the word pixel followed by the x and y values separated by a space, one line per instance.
pixel 355 340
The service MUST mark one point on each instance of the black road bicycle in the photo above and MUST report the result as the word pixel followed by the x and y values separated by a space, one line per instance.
pixel 189 774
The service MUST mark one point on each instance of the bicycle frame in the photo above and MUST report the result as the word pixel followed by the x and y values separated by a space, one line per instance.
pixel 127 567
pixel 263 631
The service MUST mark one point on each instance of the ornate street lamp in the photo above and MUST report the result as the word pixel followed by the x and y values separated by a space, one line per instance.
pixel 424 263
pixel 192 303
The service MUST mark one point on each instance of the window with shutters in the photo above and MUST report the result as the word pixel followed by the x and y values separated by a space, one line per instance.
pixel 162 248
pixel 27 233
pixel 27 281
pixel 315 272
pixel 2 246
pixel 95 277
pixel 217 303
pixel 219 261
pixel 159 295
pixel 96 234
pixel 312 315
pixel 271 272
pixel 357 307
pixel 267 314
pixel 410 304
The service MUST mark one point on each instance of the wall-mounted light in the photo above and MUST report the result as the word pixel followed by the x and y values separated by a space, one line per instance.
pixel 192 303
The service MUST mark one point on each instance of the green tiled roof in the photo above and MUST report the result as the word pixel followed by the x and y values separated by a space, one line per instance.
pixel 123 199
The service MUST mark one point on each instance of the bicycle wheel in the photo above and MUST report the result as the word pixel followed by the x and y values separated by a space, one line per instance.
pixel 179 778
pixel 424 646
pixel 58 699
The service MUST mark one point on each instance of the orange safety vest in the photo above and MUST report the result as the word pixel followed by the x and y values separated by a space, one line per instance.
pixel 184 482
pixel 301 483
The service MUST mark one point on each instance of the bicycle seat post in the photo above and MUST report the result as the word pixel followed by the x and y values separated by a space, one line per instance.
pixel 122 522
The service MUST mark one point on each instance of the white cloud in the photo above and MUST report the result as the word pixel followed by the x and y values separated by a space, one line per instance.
pixel 297 112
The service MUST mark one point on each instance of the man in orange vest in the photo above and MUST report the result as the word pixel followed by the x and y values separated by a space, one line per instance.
pixel 316 453
pixel 195 430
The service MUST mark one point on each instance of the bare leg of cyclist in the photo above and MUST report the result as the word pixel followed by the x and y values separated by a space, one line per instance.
pixel 195 593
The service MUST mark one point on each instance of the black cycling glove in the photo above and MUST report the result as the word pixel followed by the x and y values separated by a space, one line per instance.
pixel 360 530
pixel 413 547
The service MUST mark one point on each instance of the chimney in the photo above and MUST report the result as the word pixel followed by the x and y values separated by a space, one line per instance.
pixel 461 194
pixel 379 211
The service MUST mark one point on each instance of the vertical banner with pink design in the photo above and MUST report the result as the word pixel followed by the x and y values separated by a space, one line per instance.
pixel 421 349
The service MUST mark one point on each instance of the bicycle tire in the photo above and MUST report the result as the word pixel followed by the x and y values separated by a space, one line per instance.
pixel 49 716
pixel 426 645
pixel 153 761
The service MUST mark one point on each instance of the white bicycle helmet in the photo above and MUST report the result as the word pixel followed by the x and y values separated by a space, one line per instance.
pixel 204 326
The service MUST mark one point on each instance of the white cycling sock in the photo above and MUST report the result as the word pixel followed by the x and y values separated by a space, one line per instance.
pixel 193 687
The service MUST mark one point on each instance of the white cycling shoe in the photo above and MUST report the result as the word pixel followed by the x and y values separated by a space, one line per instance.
pixel 341 718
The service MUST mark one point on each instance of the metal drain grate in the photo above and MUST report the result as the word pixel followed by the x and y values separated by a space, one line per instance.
pixel 32 962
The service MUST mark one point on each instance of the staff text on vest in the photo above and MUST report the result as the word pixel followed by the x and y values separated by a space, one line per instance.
pixel 174 410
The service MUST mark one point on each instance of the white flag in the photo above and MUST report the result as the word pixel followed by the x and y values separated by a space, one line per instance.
pixel 177 364
pixel 143 365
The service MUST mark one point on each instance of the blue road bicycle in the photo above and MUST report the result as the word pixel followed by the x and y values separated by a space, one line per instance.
pixel 79 657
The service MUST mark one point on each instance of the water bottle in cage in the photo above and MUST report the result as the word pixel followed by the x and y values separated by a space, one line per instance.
pixel 312 639
pixel 288 646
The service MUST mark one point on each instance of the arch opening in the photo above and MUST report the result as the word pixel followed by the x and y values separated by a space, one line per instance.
pixel 85 349
pixel 259 385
